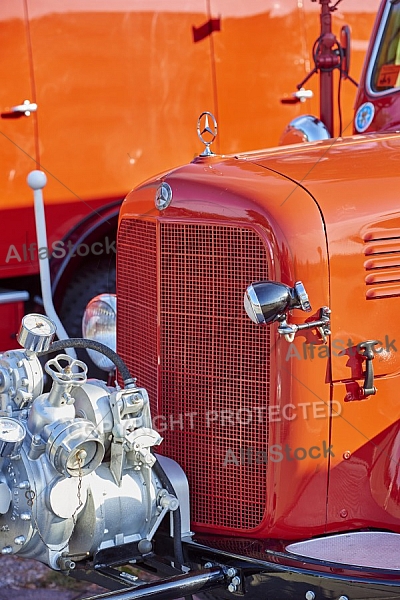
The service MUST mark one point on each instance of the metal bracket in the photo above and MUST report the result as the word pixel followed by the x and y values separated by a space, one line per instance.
pixel 323 325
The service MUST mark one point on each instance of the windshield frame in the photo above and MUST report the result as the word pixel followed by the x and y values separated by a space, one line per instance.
pixel 375 54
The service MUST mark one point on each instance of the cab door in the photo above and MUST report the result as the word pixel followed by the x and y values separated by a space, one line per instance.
pixel 17 139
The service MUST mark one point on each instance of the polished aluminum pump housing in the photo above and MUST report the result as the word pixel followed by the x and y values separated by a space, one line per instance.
pixel 76 469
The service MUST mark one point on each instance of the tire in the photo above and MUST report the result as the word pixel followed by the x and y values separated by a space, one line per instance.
pixel 91 279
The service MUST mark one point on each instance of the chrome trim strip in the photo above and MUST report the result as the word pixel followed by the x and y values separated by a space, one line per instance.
pixel 254 305
pixel 7 297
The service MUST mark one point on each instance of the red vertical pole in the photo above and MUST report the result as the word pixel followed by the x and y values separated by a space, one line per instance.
pixel 324 59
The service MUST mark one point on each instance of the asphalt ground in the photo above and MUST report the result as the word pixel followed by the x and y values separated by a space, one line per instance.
pixel 10 593
pixel 25 579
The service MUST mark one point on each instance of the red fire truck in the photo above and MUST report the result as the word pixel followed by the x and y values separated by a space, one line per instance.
pixel 257 334
pixel 88 87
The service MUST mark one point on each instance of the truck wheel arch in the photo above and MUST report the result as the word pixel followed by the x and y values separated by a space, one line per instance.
pixel 91 232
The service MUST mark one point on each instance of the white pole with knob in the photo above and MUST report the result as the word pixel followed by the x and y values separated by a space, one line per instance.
pixel 37 180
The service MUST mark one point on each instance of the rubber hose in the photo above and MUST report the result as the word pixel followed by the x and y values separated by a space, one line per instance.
pixel 93 345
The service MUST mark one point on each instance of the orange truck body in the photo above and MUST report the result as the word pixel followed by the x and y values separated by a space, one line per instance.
pixel 118 87
pixel 283 439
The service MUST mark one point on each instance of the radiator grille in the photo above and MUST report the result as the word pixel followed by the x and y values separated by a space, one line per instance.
pixel 137 300
pixel 214 367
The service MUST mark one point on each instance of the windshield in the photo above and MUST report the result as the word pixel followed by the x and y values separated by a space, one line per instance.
pixel 386 71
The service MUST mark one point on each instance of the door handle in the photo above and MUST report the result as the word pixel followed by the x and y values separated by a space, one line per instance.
pixel 26 108
pixel 300 96
pixel 366 350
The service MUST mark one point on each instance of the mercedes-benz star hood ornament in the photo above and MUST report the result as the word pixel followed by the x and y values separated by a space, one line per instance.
pixel 207 133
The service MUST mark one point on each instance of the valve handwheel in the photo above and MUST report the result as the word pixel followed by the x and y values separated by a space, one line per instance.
pixel 74 372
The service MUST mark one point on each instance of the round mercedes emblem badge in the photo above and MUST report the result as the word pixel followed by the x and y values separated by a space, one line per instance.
pixel 163 196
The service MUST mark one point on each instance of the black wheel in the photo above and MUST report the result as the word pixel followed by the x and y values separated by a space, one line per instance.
pixel 91 279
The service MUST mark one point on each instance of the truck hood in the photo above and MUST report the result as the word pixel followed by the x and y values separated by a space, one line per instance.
pixel 355 182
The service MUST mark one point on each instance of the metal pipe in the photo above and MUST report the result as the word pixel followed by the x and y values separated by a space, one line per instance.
pixel 177 586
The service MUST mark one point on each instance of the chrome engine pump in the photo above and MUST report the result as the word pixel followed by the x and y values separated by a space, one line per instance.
pixel 77 474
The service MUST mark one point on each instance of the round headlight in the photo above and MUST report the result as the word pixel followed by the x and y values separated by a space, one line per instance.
pixel 268 301
pixel 99 324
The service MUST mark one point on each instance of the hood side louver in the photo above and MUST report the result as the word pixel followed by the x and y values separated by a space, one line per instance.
pixel 382 263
